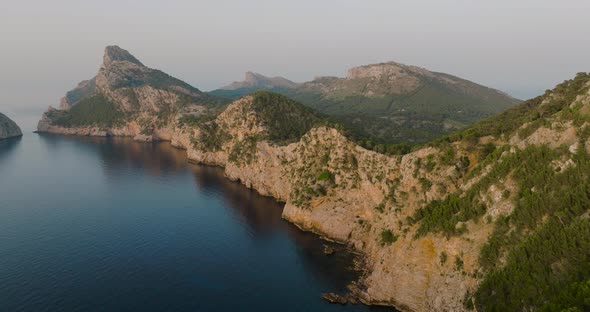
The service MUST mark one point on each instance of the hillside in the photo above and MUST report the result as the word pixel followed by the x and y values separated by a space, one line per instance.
pixel 451 225
pixel 8 128
pixel 392 102
pixel 454 224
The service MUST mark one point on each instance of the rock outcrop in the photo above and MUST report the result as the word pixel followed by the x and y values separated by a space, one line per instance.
pixel 135 100
pixel 433 224
pixel 8 128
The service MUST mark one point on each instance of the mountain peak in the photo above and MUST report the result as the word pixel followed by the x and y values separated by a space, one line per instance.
pixel 114 54
pixel 252 76
pixel 386 70
pixel 256 80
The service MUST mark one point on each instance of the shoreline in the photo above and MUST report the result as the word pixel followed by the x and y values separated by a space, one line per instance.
pixel 352 297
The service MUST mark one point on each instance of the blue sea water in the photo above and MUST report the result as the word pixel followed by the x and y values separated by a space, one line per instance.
pixel 97 224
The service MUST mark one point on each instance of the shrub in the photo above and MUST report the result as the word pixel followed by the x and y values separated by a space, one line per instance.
pixel 388 238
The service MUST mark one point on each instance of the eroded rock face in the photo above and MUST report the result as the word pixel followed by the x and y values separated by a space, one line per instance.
pixel 8 128
pixel 364 194
pixel 146 100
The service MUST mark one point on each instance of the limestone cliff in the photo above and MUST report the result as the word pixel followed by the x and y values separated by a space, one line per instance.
pixel 446 227
pixel 8 128
pixel 127 98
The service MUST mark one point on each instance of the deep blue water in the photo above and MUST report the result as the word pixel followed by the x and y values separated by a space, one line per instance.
pixel 93 224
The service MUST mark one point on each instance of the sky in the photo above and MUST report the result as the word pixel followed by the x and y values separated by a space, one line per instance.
pixel 519 46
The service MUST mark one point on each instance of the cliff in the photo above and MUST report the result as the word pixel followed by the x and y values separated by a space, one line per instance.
pixel 8 128
pixel 127 98
pixel 450 226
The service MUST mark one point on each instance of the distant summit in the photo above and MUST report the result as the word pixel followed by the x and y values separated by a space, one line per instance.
pixel 388 102
pixel 126 93
pixel 255 80
pixel 121 73
pixel 114 54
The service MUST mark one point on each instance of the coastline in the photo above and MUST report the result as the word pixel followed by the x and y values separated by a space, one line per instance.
pixel 352 296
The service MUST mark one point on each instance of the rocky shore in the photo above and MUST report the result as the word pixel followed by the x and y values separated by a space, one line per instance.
pixel 418 256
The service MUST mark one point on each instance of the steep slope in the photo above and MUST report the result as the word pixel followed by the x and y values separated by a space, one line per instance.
pixel 126 97
pixel 393 103
pixel 452 225
pixel 8 128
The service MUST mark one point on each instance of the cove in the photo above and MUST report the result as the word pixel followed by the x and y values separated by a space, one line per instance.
pixel 108 224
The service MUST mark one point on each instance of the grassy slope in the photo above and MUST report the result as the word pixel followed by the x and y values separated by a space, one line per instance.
pixel 546 239
pixel 95 110
pixel 431 111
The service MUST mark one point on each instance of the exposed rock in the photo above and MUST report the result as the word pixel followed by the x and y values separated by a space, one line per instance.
pixel 329 250
pixel 335 298
pixel 333 187
pixel 8 128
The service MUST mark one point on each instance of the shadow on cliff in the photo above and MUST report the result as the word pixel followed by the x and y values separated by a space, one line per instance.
pixel 264 217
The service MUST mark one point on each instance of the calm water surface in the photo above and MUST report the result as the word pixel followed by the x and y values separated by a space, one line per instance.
pixel 92 224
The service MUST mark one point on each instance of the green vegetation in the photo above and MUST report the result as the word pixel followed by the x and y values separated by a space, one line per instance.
pixel 388 238
pixel 151 77
pixel 93 111
pixel 380 207
pixel 434 109
pixel 458 263
pixel 212 137
pixel 532 111
pixel 543 246
pixel 286 120
pixel 244 151
pixel 326 175
pixel 443 257
pixel 551 269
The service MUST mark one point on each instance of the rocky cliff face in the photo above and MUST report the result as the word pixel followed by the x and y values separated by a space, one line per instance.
pixel 430 222
pixel 8 128
pixel 126 98
pixel 444 227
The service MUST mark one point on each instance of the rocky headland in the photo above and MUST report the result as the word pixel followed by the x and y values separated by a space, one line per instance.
pixel 441 227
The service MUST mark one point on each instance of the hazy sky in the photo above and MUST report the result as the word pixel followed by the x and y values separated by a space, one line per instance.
pixel 522 47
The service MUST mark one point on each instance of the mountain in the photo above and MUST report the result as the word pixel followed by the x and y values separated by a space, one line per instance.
pixel 255 80
pixel 392 102
pixel 454 224
pixel 8 128
pixel 450 225
pixel 127 94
